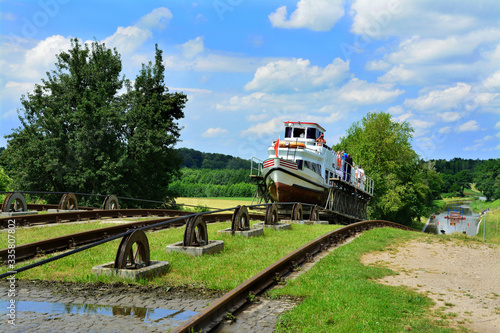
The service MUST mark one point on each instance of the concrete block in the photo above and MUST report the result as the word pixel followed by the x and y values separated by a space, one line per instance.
pixel 278 226
pixel 252 232
pixel 213 246
pixel 154 269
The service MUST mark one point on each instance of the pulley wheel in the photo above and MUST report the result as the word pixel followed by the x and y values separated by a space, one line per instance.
pixel 271 215
pixel 314 213
pixel 68 202
pixel 133 252
pixel 14 202
pixel 195 233
pixel 297 212
pixel 241 219
pixel 111 202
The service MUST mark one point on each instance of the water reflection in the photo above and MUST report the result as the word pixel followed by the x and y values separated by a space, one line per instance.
pixel 148 315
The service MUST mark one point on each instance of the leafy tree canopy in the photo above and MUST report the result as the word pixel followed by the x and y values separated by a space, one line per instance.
pixel 382 147
pixel 79 133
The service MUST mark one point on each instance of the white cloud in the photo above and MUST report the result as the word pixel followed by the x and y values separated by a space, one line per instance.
pixel 497 125
pixel 215 132
pixel 364 93
pixel 157 19
pixel 492 83
pixel 429 50
pixel 317 15
pixel 193 47
pixel 440 99
pixel 445 130
pixel 450 116
pixel 426 18
pixel 470 126
pixel 128 39
pixel 297 75
pixel 11 114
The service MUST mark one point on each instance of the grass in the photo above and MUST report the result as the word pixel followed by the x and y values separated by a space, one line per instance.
pixel 214 202
pixel 242 258
pixel 340 295
pixel 492 234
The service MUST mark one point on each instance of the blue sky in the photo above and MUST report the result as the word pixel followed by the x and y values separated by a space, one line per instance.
pixel 247 66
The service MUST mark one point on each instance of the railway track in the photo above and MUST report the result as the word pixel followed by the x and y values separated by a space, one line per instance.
pixel 70 241
pixel 212 315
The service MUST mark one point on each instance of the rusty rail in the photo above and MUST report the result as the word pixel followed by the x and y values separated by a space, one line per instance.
pixel 29 250
pixel 27 220
pixel 212 315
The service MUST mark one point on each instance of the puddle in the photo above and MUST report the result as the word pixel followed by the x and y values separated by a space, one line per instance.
pixel 147 315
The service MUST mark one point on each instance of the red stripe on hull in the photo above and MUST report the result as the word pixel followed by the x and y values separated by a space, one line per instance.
pixel 281 192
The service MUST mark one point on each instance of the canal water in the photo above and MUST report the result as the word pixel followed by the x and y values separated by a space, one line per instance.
pixel 147 315
pixel 442 225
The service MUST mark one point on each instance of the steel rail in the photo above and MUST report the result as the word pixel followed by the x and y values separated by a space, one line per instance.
pixel 27 220
pixel 61 243
pixel 212 315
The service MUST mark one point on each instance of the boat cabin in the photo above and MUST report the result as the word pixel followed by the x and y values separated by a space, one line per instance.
pixel 303 132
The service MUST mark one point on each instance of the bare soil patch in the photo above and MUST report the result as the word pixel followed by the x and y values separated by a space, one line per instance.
pixel 463 280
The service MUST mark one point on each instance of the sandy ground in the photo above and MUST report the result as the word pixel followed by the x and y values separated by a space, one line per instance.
pixel 461 279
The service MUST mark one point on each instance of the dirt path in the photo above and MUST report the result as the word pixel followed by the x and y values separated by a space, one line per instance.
pixel 463 280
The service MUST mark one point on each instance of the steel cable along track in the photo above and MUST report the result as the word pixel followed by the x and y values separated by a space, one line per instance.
pixel 27 220
pixel 212 315
pixel 29 250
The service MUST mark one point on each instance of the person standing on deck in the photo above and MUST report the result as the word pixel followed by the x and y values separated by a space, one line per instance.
pixel 348 163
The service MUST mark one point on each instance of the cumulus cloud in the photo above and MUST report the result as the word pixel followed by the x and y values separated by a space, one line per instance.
pixel 193 47
pixel 129 39
pixel 440 99
pixel 426 18
pixel 317 15
pixel 450 116
pixel 470 126
pixel 364 93
pixel 215 132
pixel 157 19
pixel 297 75
pixel 445 130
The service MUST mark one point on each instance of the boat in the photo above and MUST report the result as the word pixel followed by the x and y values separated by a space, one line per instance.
pixel 302 168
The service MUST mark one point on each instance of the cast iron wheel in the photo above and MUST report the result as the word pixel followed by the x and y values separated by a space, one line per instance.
pixel 314 213
pixel 195 233
pixel 271 215
pixel 297 212
pixel 14 202
pixel 241 219
pixel 133 252
pixel 111 202
pixel 68 202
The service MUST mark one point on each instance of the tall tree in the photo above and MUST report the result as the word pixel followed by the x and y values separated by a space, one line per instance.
pixel 382 147
pixel 79 134
pixel 152 132
pixel 487 178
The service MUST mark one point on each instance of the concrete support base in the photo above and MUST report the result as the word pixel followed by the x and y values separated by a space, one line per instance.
pixel 14 214
pixel 279 226
pixel 253 232
pixel 308 222
pixel 213 246
pixel 154 269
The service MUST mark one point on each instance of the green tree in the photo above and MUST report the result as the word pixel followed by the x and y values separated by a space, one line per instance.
pixel 79 134
pixel 152 132
pixel 487 178
pixel 4 181
pixel 464 179
pixel 382 147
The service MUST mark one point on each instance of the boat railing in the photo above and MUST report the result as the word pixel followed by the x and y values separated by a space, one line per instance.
pixel 362 181
pixel 256 166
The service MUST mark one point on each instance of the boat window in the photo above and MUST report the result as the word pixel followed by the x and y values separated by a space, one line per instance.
pixel 311 133
pixel 299 164
pixel 288 132
pixel 298 132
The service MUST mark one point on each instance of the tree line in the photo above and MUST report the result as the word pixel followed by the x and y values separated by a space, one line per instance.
pixel 212 183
